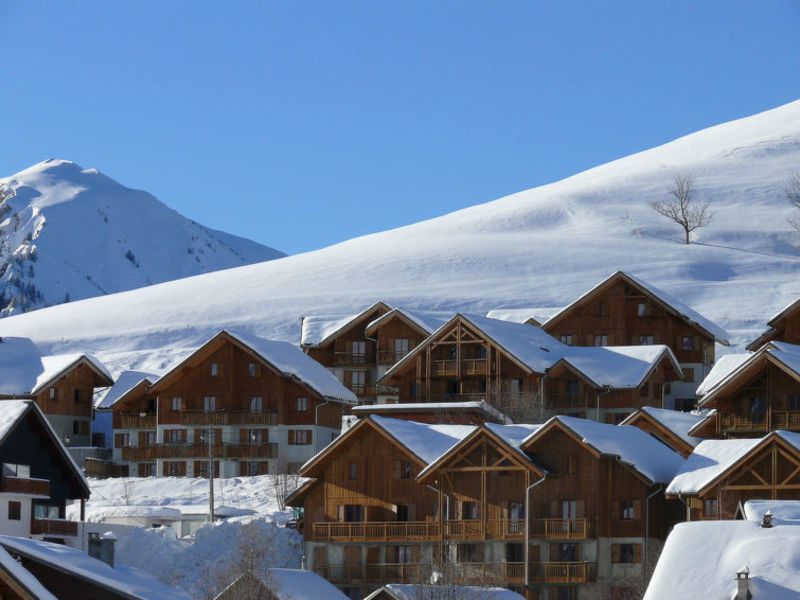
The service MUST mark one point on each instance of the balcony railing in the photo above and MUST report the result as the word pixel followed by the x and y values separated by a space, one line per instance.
pixel 137 421
pixel 564 572
pixel 562 401
pixel 351 359
pixel 476 572
pixel 739 423
pixel 390 357
pixel 23 485
pixel 198 451
pixel 785 419
pixel 469 366
pixel 54 527
pixel 561 529
pixel 376 531
pixel 226 417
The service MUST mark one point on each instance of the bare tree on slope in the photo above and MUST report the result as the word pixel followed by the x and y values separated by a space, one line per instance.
pixel 682 208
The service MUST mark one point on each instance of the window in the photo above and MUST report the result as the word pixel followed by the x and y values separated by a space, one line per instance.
pixel 352 513
pixel 469 511
pixel 177 403
pixel 174 469
pixel 14 510
pixel 567 593
pixel 688 374
pixel 794 402
pixel 757 409
pixel 358 380
pixel 452 387
pixel 14 470
pixel 400 348
pixel 572 388
pixel 147 469
pixel 76 394
pixel 252 468
pixel 209 404
pixel 401 469
pixel 402 512
pixel 710 508
pixel 299 437
pixel 45 511
pixel 359 352
pixel 256 404
pixel 645 340
pixel 251 369
pixel 353 472
pixel 641 309
pixel 53 394
pixel 601 339
pixel 626 553
pixel 469 552
pixel 214 369
pixel 566 339
pixel 150 438
pixel 255 436
pixel 76 427
pixel 301 404
pixel 122 439
pixel 601 308
pixel 569 509
pixel 626 510
pixel 687 342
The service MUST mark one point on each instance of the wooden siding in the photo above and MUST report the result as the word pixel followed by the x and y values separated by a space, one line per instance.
pixel 80 380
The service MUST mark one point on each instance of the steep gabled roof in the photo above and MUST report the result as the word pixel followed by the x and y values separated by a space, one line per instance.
pixel 424 323
pixel 319 330
pixel 668 302
pixel 282 357
pixel 712 459
pixel 12 412
pixel 125 383
pixel 474 406
pixel 774 325
pixel 416 591
pixel 529 316
pixel 20 580
pixel 647 456
pixel 673 421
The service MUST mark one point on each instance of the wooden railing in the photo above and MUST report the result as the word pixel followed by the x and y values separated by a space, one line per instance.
pixel 492 573
pixel 561 528
pixel 739 423
pixel 390 357
pixel 237 417
pixel 376 530
pixel 469 366
pixel 198 451
pixel 137 421
pixel 54 527
pixel 564 572
pixel 349 359
pixel 23 485
pixel 785 419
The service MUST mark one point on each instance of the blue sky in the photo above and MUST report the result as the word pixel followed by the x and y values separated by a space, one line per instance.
pixel 302 124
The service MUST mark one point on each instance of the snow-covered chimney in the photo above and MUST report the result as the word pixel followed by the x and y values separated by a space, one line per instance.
pixel 101 547
pixel 766 520
pixel 743 585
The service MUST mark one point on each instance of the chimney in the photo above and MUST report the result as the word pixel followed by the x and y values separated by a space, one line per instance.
pixel 743 585
pixel 766 520
pixel 101 547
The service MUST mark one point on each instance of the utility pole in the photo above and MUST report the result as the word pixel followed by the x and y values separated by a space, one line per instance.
pixel 210 438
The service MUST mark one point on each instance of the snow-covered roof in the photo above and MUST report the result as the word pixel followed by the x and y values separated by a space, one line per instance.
pixel 632 446
pixel 296 584
pixel 784 312
pixel 127 581
pixel 618 366
pixel 782 511
pixel 414 591
pixel 425 321
pixel 124 384
pixel 683 310
pixel 700 559
pixel 521 315
pixel 724 366
pixel 475 405
pixel 712 458
pixel 514 435
pixel 10 413
pixel 23 577
pixel 425 440
pixel 24 371
pixel 293 362
pixel 679 423
pixel 317 330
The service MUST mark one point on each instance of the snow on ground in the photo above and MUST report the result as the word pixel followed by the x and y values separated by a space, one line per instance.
pixel 215 548
pixel 700 560
pixel 541 247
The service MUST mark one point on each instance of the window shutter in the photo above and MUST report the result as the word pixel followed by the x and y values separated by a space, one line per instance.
pixel 340 509
pixel 243 436
pixel 637 553
pixel 396 469
pixel 637 509
pixel 142 438
pixel 555 555
pixel 580 509
pixel 615 510
pixel 609 418
pixel 165 468
pixel 615 553
pixel 415 554
pixel 118 440
pixel 554 512
pixel 308 436
pixel 291 436
pixel 412 515
pixel 504 510
pixel 535 554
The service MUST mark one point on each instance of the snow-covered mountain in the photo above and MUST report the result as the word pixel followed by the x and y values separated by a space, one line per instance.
pixel 67 233
pixel 541 247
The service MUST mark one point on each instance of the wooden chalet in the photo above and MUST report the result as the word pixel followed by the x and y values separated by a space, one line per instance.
pixel 341 345
pixel 752 394
pixel 265 405
pixel 721 474
pixel 528 316
pixel 38 476
pixel 444 591
pixel 623 310
pixel 527 374
pixel 670 426
pixel 464 501
pixel 62 385
pixel 783 327
pixel 455 413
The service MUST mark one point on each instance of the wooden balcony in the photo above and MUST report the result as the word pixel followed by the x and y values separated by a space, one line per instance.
pixel 499 529
pixel 376 531
pixel 59 527
pixel 564 572
pixel 469 366
pixel 779 419
pixel 126 421
pixel 198 451
pixel 24 485
pixel 227 417
pixel 390 357
pixel 482 573
pixel 349 359
pixel 785 419
pixel 561 529
pixel 567 401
